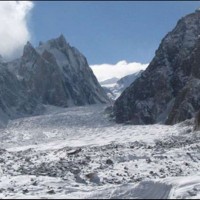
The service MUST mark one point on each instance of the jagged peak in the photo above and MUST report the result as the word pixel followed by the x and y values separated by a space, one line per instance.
pixel 61 38
pixel 28 46
pixel 28 50
pixel 59 42
pixel 182 39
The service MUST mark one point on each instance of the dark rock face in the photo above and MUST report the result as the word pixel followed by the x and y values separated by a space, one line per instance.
pixel 15 100
pixel 168 90
pixel 187 102
pixel 127 80
pixel 41 76
pixel 57 74
pixel 54 73
pixel 197 122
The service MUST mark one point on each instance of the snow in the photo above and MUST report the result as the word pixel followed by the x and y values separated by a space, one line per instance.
pixel 111 85
pixel 77 125
pixel 110 81
pixel 79 152
pixel 185 187
pixel 65 56
pixel 114 87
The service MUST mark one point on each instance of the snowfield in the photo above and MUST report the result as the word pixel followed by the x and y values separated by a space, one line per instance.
pixel 80 152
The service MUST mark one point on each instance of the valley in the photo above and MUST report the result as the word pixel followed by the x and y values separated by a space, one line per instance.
pixel 79 152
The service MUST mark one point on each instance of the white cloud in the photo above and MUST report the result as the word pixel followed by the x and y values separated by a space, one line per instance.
pixel 119 70
pixel 14 31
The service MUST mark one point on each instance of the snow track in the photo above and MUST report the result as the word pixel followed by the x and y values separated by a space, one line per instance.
pixel 80 153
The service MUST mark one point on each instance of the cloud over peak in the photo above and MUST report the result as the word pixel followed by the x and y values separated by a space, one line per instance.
pixel 119 70
pixel 14 32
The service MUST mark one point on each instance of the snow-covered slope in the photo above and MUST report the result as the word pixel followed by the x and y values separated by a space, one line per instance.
pixel 78 153
pixel 127 80
pixel 109 81
pixel 114 87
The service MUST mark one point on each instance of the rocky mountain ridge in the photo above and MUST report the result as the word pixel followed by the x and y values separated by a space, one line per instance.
pixel 168 90
pixel 53 73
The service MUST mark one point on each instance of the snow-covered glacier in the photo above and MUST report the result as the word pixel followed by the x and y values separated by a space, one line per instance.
pixel 79 152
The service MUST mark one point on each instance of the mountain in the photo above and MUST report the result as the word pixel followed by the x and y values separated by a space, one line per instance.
pixel 168 91
pixel 57 74
pixel 15 100
pixel 127 80
pixel 114 86
pixel 53 73
pixel 109 81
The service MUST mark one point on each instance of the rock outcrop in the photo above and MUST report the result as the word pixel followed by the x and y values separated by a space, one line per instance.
pixel 197 122
pixel 15 100
pixel 168 91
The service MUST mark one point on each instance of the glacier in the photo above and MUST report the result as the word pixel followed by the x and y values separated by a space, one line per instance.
pixel 79 152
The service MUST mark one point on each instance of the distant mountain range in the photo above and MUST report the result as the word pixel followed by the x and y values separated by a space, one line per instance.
pixel 109 81
pixel 115 86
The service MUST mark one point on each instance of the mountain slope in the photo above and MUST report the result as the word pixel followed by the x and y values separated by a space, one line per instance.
pixel 114 87
pixel 58 74
pixel 167 90
pixel 109 81
pixel 126 81
pixel 15 100
pixel 54 73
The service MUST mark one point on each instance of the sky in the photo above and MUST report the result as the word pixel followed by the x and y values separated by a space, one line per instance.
pixel 106 32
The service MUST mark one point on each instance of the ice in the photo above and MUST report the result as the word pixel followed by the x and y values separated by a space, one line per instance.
pixel 79 152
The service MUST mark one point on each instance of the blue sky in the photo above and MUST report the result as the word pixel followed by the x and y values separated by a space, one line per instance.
pixel 107 32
